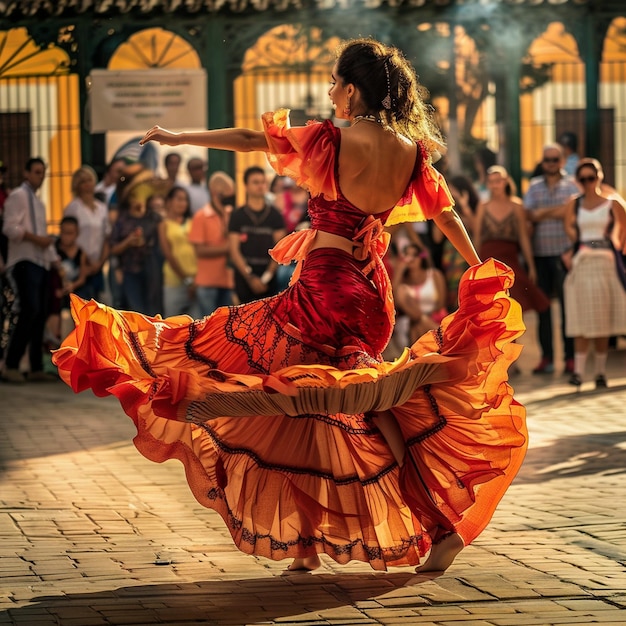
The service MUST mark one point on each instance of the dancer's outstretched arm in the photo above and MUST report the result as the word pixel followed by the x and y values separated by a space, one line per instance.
pixel 235 139
pixel 452 227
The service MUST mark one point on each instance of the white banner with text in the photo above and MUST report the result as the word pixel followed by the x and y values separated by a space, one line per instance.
pixel 137 100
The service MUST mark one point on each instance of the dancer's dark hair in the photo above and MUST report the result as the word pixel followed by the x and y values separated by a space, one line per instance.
pixel 389 89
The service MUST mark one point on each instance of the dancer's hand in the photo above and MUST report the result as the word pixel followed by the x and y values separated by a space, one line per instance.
pixel 160 135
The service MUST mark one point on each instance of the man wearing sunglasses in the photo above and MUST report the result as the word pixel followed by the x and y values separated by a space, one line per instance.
pixel 545 203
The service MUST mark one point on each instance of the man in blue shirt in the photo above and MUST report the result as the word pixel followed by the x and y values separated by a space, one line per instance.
pixel 545 203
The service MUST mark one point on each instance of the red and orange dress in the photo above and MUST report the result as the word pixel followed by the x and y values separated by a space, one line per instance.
pixel 270 405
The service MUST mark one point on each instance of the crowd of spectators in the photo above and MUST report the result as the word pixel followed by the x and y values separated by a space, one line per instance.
pixel 158 246
pixel 164 246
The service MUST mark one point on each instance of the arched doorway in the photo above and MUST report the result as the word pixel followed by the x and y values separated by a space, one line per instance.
pixel 39 114
pixel 289 66
pixel 147 50
pixel 553 99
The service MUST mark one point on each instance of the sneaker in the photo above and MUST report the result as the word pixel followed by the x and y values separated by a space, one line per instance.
pixel 545 367
pixel 569 366
pixel 14 376
pixel 575 380
pixel 601 381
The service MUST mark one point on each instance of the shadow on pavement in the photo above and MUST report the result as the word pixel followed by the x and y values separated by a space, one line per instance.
pixel 48 419
pixel 238 601
pixel 573 456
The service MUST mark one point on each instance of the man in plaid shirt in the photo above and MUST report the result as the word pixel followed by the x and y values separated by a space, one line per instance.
pixel 545 203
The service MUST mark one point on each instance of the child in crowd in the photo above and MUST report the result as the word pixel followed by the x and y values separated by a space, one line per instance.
pixel 69 273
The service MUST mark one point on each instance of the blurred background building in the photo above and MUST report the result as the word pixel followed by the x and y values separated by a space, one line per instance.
pixel 81 80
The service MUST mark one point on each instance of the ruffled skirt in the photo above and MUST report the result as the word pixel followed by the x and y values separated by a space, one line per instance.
pixel 595 300
pixel 270 407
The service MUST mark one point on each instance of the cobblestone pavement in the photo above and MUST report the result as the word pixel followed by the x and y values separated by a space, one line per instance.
pixel 91 533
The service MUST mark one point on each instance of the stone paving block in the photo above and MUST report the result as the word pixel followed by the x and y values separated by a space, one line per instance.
pixel 298 622
pixel 28 613
pixel 68 612
pixel 453 590
pixel 129 616
pixel 397 610
pixel 357 620
pixel 82 621
pixel 618 623
pixel 590 605
pixel 468 620
pixel 15 581
pixel 435 612
pixel 41 621
pixel 518 587
pixel 343 613
pixel 10 566
pixel 452 618
pixel 565 618
pixel 563 589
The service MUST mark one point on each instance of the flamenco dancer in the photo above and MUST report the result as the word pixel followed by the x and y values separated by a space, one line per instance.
pixel 288 421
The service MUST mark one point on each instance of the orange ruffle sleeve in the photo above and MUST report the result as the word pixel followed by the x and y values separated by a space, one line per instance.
pixel 305 153
pixel 426 197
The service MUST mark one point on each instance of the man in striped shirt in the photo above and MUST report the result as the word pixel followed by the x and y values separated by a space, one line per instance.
pixel 545 203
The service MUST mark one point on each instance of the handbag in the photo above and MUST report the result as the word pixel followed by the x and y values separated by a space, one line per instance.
pixel 619 266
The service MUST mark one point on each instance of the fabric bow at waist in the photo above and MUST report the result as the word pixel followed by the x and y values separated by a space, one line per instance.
pixel 370 242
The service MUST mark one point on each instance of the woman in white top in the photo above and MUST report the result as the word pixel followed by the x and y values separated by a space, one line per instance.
pixel 419 290
pixel 595 300
pixel 93 228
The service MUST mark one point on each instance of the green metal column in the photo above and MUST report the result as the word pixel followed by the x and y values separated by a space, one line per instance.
pixel 512 127
pixel 83 67
pixel 454 145
pixel 591 58
pixel 220 90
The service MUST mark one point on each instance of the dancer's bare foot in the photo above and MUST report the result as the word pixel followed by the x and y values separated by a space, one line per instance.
pixel 442 554
pixel 307 564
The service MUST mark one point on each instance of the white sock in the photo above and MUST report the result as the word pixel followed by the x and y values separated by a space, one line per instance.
pixel 600 362
pixel 580 360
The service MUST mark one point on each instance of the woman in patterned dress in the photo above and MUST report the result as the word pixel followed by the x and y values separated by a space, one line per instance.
pixel 289 422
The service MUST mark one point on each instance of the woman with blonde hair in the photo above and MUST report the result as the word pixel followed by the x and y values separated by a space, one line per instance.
pixel 500 231
pixel 93 228
pixel 288 420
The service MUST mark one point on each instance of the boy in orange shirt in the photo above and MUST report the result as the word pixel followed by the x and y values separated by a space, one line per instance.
pixel 209 235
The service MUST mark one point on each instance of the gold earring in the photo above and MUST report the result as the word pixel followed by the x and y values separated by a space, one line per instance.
pixel 346 109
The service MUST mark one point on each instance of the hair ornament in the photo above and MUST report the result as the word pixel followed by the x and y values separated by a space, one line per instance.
pixel 386 102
